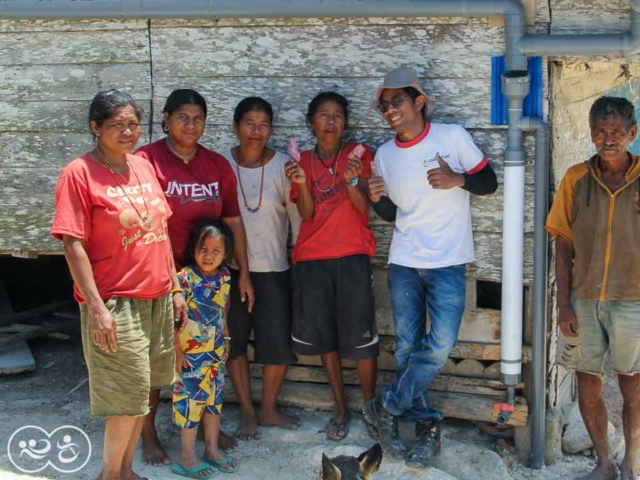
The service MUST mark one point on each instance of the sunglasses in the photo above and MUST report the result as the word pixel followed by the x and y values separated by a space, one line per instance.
pixel 395 102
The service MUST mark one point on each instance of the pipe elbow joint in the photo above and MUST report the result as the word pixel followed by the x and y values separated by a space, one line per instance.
pixel 529 124
pixel 516 7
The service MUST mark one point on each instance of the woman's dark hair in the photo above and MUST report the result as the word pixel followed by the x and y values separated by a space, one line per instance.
pixel 183 96
pixel 105 104
pixel 328 97
pixel 606 108
pixel 413 94
pixel 205 229
pixel 252 104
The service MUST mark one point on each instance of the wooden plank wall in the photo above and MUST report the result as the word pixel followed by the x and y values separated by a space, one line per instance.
pixel 49 71
pixel 52 69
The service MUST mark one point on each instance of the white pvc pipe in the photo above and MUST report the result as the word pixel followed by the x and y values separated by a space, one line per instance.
pixel 512 273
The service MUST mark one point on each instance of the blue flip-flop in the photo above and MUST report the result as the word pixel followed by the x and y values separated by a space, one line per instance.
pixel 193 473
pixel 223 466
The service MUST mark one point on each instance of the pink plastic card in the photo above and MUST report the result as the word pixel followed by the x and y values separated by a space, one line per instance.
pixel 358 151
pixel 294 151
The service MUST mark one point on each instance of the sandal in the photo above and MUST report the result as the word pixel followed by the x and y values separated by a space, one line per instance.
pixel 339 426
pixel 193 473
pixel 224 466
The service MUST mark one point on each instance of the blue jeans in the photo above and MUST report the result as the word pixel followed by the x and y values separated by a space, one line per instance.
pixel 419 355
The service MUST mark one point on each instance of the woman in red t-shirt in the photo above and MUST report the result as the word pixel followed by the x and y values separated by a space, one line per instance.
pixel 111 215
pixel 199 185
pixel 333 311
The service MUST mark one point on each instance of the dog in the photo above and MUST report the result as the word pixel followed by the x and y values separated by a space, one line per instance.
pixel 350 468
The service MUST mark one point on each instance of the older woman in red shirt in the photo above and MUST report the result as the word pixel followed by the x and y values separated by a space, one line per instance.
pixel 111 215
pixel 333 312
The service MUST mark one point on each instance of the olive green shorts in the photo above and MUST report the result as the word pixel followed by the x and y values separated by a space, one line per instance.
pixel 604 328
pixel 120 382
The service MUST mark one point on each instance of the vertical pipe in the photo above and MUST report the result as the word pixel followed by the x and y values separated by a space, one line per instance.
pixel 514 30
pixel 540 274
pixel 512 274
pixel 515 86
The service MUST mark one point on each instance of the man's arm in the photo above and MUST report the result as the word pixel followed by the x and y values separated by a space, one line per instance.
pixel 386 209
pixel 567 320
pixel 483 182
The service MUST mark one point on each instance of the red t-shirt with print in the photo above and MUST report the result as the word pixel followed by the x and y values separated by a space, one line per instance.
pixel 129 258
pixel 203 189
pixel 338 229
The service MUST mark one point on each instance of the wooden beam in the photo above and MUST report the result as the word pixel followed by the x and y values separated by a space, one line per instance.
pixel 477 351
pixel 484 351
pixel 34 312
pixel 37 332
pixel 319 397
pixel 443 383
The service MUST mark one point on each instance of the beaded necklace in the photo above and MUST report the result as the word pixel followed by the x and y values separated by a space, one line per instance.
pixel 333 170
pixel 238 155
pixel 144 218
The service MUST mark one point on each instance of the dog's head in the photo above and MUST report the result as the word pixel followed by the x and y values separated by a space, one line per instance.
pixel 350 468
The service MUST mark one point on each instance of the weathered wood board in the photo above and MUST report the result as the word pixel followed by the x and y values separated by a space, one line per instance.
pixel 325 50
pixel 66 83
pixel 318 397
pixel 466 101
pixel 87 25
pixel 16 358
pixel 479 325
pixel 443 383
pixel 487 354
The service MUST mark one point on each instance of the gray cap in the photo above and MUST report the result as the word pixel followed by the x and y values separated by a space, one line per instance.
pixel 400 78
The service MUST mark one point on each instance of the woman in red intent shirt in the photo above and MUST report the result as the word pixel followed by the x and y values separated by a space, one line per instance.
pixel 199 184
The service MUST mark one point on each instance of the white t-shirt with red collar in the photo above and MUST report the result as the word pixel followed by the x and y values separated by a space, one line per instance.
pixel 433 227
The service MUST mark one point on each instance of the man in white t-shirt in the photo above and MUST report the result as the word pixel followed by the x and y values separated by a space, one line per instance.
pixel 423 180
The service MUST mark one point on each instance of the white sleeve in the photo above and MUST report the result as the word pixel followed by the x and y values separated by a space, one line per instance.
pixel 469 155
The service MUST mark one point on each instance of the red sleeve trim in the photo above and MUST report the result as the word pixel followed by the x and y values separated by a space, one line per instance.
pixel 483 163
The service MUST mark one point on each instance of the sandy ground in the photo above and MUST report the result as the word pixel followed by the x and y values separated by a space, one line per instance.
pixel 43 398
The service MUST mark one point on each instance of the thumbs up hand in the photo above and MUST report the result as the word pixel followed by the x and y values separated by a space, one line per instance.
pixel 444 177
pixel 375 185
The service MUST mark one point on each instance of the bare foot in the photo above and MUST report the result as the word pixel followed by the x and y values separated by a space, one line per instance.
pixel 602 472
pixel 248 428
pixel 103 476
pixel 629 470
pixel 132 476
pixel 152 451
pixel 226 442
pixel 193 463
pixel 273 418
pixel 224 463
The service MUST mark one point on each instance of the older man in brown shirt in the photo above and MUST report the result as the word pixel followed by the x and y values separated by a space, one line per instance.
pixel 595 219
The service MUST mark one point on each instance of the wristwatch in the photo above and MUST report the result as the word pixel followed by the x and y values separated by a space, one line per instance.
pixel 354 181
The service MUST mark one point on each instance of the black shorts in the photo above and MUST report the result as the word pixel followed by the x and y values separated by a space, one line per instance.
pixel 333 308
pixel 270 319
